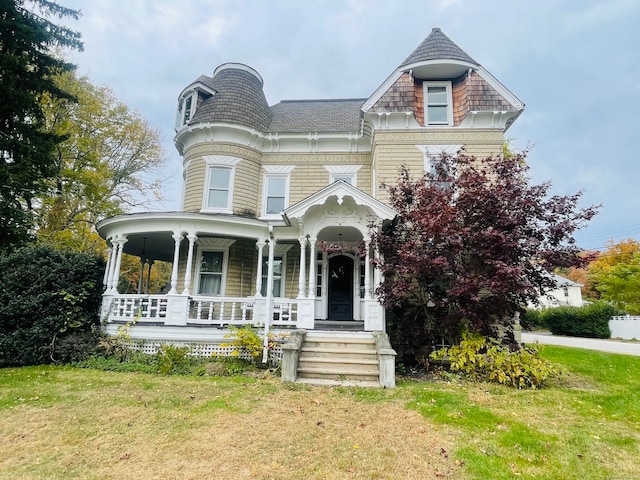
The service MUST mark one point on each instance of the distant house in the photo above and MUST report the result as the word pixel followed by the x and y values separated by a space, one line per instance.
pixel 278 199
pixel 566 293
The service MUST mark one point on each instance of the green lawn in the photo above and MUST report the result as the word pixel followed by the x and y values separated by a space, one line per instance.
pixel 72 423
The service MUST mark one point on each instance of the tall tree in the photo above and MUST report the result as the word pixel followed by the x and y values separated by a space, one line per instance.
pixel 107 164
pixel 616 275
pixel 27 67
pixel 473 242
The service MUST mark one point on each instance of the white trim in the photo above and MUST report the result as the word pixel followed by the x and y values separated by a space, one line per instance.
pixel 275 172
pixel 225 264
pixel 449 105
pixel 279 250
pixel 343 171
pixel 219 162
pixel 381 90
pixel 431 151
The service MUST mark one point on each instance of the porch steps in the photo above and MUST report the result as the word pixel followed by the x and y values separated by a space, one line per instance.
pixel 338 358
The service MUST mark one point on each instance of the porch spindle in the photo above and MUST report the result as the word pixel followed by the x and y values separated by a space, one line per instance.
pixel 176 258
pixel 187 274
pixel 312 267
pixel 303 264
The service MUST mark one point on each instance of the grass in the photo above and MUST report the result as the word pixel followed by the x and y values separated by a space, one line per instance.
pixel 72 423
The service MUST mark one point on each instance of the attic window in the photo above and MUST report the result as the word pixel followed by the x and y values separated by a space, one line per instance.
pixel 186 108
pixel 438 103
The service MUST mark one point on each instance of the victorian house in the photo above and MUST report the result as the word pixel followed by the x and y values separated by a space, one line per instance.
pixel 278 200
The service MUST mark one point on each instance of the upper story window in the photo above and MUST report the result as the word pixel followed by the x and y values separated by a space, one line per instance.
pixel 188 102
pixel 219 181
pixel 186 108
pixel 438 103
pixel 347 173
pixel 275 194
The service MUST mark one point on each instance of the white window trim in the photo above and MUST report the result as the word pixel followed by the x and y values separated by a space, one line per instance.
pixel 223 161
pixel 343 171
pixel 181 121
pixel 280 250
pixel 275 171
pixel 434 151
pixel 447 85
pixel 225 265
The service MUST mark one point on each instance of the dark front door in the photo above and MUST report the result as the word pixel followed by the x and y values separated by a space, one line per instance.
pixel 340 288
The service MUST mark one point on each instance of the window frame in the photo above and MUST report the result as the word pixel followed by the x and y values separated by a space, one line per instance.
pixel 223 275
pixel 280 252
pixel 213 163
pixel 275 172
pixel 338 171
pixel 448 105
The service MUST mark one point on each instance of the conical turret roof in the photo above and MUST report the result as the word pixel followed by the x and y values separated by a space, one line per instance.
pixel 437 46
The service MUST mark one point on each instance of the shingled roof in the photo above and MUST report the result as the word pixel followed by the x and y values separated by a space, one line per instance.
pixel 303 116
pixel 437 46
pixel 239 99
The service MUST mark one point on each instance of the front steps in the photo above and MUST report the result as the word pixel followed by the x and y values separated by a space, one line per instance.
pixel 338 358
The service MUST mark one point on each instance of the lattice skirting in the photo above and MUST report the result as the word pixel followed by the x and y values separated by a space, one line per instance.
pixel 208 350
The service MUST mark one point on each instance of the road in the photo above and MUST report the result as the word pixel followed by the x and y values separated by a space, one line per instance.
pixel 613 346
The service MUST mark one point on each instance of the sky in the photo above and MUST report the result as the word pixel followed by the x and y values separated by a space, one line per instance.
pixel 574 63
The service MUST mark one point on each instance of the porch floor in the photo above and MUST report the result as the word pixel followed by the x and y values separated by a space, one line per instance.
pixel 349 326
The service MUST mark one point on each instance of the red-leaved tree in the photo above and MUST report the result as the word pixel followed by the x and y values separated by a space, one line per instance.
pixel 473 242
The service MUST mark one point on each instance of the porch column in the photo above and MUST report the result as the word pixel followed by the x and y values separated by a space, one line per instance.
pixel 146 290
pixel 143 260
pixel 187 274
pixel 312 267
pixel 260 247
pixel 176 258
pixel 303 264
pixel 107 269
pixel 269 316
pixel 115 274
pixel 367 270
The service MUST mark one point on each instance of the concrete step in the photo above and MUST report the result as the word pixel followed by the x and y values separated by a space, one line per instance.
pixel 339 359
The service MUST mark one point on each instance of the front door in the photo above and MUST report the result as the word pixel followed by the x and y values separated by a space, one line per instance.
pixel 340 288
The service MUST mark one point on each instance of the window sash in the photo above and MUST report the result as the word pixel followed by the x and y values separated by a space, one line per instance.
pixel 278 264
pixel 218 191
pixel 276 195
pixel 438 108
pixel 211 271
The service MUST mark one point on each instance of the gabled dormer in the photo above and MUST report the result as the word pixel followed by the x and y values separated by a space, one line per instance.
pixel 190 99
pixel 440 86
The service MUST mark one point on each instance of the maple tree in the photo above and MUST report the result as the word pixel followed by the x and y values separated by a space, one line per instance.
pixel 472 243
pixel 615 275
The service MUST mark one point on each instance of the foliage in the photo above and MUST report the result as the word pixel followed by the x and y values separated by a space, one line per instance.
pixel 130 275
pixel 615 274
pixel 173 359
pixel 590 321
pixel 472 242
pixel 531 318
pixel 46 296
pixel 244 340
pixel 104 166
pixel 486 359
pixel 27 69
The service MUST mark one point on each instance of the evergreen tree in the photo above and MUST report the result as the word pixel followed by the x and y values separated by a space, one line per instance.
pixel 28 64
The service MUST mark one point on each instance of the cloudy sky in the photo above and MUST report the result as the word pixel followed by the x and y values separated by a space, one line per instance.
pixel 574 63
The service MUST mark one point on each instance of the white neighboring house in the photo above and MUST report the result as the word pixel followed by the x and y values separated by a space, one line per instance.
pixel 566 293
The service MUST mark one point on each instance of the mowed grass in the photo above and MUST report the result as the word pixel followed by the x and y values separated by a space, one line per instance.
pixel 70 423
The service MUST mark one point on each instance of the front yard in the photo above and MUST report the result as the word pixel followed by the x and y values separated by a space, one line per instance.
pixel 71 423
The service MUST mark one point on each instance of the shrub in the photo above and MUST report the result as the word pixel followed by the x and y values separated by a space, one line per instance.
pixel 47 295
pixel 483 359
pixel 531 319
pixel 244 340
pixel 173 360
pixel 591 321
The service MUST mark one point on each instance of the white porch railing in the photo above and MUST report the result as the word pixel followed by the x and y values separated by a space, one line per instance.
pixel 201 310
pixel 127 308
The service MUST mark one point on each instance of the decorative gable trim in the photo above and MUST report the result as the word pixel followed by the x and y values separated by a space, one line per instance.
pixel 339 189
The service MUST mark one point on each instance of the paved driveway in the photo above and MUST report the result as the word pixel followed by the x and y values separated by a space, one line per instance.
pixel 614 346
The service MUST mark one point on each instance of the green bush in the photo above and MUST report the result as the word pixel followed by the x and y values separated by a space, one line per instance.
pixel 173 360
pixel 486 359
pixel 531 318
pixel 590 321
pixel 46 296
